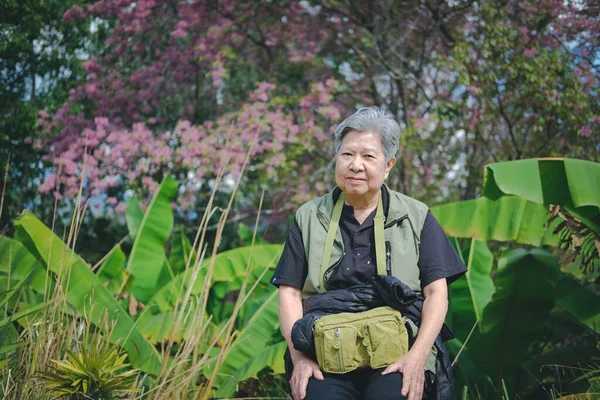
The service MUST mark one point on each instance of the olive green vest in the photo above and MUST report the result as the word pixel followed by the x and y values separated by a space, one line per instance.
pixel 402 228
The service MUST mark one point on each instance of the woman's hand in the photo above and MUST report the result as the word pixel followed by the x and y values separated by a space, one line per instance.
pixel 412 367
pixel 290 310
pixel 304 368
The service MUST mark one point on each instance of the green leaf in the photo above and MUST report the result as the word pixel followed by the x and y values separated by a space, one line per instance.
pixel 558 181
pixel 461 315
pixel 112 267
pixel 507 219
pixel 479 268
pixel 20 264
pixel 259 345
pixel 580 301
pixel 112 272
pixel 180 251
pixel 9 348
pixel 147 259
pixel 517 314
pixel 134 215
pixel 84 289
pixel 22 313
pixel 230 266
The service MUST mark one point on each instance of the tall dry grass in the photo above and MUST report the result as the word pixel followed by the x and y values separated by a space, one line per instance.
pixel 47 334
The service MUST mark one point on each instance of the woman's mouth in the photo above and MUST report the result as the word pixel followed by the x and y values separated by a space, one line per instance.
pixel 355 180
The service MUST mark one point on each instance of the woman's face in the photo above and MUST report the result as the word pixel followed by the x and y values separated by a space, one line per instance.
pixel 360 167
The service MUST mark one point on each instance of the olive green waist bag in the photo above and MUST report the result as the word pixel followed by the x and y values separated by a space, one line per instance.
pixel 347 341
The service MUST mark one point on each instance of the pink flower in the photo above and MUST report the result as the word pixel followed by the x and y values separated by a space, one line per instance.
pixel 74 12
pixel 530 53
pixel 585 131
pixel 120 208
pixel 472 89
pixel 261 93
pixel 420 123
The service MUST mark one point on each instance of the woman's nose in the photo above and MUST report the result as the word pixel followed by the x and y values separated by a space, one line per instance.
pixel 356 165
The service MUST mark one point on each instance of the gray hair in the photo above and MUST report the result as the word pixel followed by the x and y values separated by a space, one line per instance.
pixel 374 120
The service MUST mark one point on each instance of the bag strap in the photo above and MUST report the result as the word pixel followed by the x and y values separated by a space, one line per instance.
pixel 333 227
pixel 380 238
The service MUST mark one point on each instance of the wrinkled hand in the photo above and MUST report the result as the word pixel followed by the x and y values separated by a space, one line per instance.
pixel 412 367
pixel 304 368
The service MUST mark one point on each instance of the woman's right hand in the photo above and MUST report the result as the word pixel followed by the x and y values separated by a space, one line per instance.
pixel 304 368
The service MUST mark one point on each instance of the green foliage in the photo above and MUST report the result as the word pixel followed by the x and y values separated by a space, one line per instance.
pixel 514 307
pixel 516 312
pixel 147 261
pixel 39 64
pixel 84 291
pixel 92 373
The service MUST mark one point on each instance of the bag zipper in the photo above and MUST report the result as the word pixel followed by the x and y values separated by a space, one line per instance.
pixel 336 335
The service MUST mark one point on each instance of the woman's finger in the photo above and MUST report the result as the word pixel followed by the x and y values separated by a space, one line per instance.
pixel 392 368
pixel 416 389
pixel 318 374
pixel 407 380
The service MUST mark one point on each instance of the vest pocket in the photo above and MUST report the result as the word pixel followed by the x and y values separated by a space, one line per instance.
pixel 388 339
pixel 338 351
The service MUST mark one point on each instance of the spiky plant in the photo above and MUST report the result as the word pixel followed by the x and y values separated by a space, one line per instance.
pixel 90 374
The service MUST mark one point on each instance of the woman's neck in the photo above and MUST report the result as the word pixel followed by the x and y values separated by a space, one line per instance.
pixel 365 202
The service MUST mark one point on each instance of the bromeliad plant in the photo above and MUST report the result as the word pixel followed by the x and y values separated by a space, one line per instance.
pixel 92 373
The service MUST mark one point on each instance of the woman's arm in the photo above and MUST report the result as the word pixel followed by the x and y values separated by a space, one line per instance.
pixel 412 364
pixel 290 310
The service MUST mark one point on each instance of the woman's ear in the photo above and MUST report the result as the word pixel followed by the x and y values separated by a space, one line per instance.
pixel 390 164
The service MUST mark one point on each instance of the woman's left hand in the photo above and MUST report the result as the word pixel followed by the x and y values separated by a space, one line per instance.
pixel 412 367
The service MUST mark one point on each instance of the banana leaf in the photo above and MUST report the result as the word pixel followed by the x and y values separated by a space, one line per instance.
pixel 134 215
pixel 112 272
pixel 558 181
pixel 23 312
pixel 223 296
pixel 18 263
pixel 507 219
pixel 578 300
pixel 147 259
pixel 84 291
pixel 158 327
pixel 230 266
pixel 461 315
pixel 258 345
pixel 517 315
pixel 479 268
pixel 112 267
pixel 181 250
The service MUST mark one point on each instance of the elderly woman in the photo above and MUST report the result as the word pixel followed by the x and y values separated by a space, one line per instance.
pixel 418 253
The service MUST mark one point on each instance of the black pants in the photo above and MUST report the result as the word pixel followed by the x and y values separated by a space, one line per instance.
pixel 361 384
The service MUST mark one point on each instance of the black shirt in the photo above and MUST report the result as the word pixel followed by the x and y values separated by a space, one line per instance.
pixel 437 257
